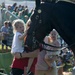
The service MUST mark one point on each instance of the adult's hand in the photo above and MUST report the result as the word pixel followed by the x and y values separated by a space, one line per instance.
pixel 18 55
pixel 24 54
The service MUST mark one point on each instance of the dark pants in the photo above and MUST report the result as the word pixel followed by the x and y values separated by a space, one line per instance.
pixel 4 42
pixel 15 71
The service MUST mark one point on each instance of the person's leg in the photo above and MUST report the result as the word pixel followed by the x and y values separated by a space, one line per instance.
pixel 40 72
pixel 60 71
pixel 30 62
pixel 48 60
pixel 60 65
pixel 6 45
pixel 2 47
pixel 3 42
pixel 6 48
pixel 53 71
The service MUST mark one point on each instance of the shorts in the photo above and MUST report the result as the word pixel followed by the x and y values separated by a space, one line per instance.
pixel 15 71
pixel 4 42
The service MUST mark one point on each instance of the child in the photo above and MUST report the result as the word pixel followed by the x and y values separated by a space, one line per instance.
pixel 44 62
pixel 18 65
pixel 51 56
pixel 5 32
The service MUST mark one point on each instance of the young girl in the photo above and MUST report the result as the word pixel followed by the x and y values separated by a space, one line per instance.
pixel 51 56
pixel 21 59
pixel 43 62
pixel 18 46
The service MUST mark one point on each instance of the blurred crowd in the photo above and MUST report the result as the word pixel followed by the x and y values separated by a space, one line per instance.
pixel 15 11
pixel 10 13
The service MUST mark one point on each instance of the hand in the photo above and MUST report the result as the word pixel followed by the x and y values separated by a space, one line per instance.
pixel 4 33
pixel 17 55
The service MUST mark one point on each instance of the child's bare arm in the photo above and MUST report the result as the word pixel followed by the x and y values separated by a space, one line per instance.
pixel 23 36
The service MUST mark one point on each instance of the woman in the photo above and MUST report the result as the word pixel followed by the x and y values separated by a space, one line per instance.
pixel 23 63
pixel 46 64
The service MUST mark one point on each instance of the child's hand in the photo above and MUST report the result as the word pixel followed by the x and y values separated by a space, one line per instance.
pixel 17 55
pixel 47 57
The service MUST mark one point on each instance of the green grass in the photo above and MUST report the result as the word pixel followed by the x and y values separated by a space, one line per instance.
pixel 68 67
pixel 4 50
pixel 5 59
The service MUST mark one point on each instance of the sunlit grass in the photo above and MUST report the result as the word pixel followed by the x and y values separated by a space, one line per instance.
pixel 4 50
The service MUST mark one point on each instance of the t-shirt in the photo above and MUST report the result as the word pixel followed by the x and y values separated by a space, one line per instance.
pixel 5 29
pixel 17 44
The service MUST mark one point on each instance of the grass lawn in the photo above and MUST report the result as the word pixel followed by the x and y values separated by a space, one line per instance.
pixel 68 69
pixel 5 59
pixel 5 56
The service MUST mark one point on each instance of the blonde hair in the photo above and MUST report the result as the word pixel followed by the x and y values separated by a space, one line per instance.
pixel 54 31
pixel 16 23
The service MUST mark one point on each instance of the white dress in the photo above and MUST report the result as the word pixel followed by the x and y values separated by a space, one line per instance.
pixel 42 65
pixel 50 53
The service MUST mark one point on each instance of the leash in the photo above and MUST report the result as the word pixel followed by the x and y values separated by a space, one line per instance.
pixel 59 48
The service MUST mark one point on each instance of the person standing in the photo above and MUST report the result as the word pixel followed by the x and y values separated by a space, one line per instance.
pixel 5 32
pixel 10 36
pixel 17 67
pixel 51 56
pixel 20 61
pixel 44 65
